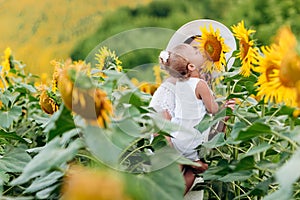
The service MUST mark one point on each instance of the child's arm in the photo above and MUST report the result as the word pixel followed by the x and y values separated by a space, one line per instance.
pixel 203 92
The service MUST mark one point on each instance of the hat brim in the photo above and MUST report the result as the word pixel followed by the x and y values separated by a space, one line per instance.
pixel 192 28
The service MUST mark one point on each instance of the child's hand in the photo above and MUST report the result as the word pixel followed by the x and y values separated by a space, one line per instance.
pixel 201 169
pixel 230 104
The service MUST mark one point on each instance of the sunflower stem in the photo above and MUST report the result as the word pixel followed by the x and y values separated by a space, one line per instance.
pixel 274 113
pixel 292 124
pixel 293 143
pixel 263 110
pixel 228 89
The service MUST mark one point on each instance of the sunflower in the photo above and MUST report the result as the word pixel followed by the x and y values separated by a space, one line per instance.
pixel 93 105
pixel 298 93
pixel 285 38
pixel 296 113
pixel 83 97
pixel 280 70
pixel 108 59
pixel 3 82
pixel 57 68
pixel 6 62
pixel 103 107
pixel 81 183
pixel 48 104
pixel 248 52
pixel 148 87
pixel 213 46
pixel 157 73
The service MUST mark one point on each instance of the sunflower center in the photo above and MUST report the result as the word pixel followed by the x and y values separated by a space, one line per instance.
pixel 270 72
pixel 290 70
pixel 244 48
pixel 213 48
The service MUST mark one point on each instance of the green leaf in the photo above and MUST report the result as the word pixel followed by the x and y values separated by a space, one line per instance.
pixel 287 175
pixel 250 86
pixel 238 126
pixel 11 136
pixel 204 124
pixel 9 98
pixel 209 175
pixel 16 198
pixel 4 178
pixel 236 176
pixel 294 134
pixel 285 110
pixel 44 182
pixel 134 98
pixel 261 189
pixel 53 155
pixel 166 156
pixel 8 117
pixel 216 141
pixel 216 172
pixel 129 127
pixel 28 87
pixel 246 163
pixel 158 142
pixel 256 129
pixel 240 95
pixel 163 125
pixel 166 184
pixel 101 145
pixel 125 133
pixel 245 113
pixel 257 149
pixel 60 122
pixel 14 159
pixel 45 193
pixel 208 121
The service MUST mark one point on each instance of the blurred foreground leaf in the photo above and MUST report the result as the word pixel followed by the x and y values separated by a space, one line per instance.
pixel 60 122
pixel 52 156
pixel 99 143
pixel 166 184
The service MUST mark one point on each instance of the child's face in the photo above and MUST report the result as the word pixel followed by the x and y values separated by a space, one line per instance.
pixel 193 55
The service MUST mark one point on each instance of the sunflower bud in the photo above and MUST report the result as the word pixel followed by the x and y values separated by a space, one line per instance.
pixel 48 104
pixel 65 86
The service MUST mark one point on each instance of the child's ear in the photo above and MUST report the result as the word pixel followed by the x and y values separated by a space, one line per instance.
pixel 191 67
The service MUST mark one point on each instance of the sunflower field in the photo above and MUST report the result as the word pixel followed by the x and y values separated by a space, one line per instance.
pixel 87 134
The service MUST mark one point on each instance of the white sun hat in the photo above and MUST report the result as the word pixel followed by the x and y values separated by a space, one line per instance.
pixel 192 29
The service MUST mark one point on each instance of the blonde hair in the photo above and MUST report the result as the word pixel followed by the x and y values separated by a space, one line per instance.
pixel 176 64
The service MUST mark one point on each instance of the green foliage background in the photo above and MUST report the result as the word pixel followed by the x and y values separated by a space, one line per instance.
pixel 263 16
